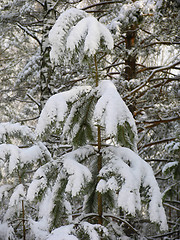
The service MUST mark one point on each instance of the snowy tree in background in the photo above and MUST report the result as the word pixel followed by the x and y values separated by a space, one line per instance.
pixel 17 161
pixel 82 192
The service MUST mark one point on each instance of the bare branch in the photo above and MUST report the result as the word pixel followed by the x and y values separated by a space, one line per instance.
pixel 29 33
pixel 150 77
pixel 34 100
pixel 161 42
pixel 156 122
pixel 157 160
pixel 99 4
pixel 171 206
pixel 40 3
pixel 164 235
pixel 158 142
pixel 28 119
pixel 122 220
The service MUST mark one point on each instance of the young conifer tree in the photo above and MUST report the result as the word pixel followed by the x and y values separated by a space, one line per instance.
pixel 20 156
pixel 81 194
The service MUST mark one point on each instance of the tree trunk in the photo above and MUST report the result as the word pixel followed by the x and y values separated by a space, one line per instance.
pixel 46 75
pixel 99 160
pixel 130 62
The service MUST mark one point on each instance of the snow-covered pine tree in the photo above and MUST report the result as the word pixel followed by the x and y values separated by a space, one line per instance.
pixel 81 193
pixel 20 156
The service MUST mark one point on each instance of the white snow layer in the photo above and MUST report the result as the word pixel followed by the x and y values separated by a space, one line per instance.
pixel 92 31
pixel 93 229
pixel 111 110
pixel 18 195
pixel 6 232
pixel 133 172
pixel 18 157
pixel 78 173
pixel 56 108
pixel 11 129
pixel 59 32
pixel 169 165
pixel 62 233
pixel 74 26
pixel 39 182
pixel 39 230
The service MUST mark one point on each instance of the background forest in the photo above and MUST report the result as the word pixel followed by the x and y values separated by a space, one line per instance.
pixel 59 122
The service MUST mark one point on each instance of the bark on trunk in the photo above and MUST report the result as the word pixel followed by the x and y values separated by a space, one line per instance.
pixel 130 62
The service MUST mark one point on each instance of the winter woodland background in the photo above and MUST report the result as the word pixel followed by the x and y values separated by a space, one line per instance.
pixel 89 112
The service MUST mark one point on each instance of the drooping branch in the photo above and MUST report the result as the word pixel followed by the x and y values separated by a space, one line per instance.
pixel 122 220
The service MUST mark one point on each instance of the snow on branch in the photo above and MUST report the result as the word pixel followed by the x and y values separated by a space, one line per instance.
pixel 92 31
pixel 160 69
pixel 39 183
pixel 59 31
pixel 78 173
pixel 75 113
pixel 15 130
pixel 14 157
pixel 63 233
pixel 56 109
pixel 126 173
pixel 75 28
pixel 111 111
pixel 18 194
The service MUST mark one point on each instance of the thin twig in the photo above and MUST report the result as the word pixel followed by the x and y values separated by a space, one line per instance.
pixel 29 33
pixel 171 206
pixel 150 77
pixel 99 4
pixel 34 100
pixel 164 235
pixel 158 142
pixel 122 220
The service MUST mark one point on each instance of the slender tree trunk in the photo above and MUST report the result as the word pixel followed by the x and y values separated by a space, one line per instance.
pixel 23 221
pixel 100 208
pixel 99 163
pixel 23 213
pixel 130 62
pixel 46 75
